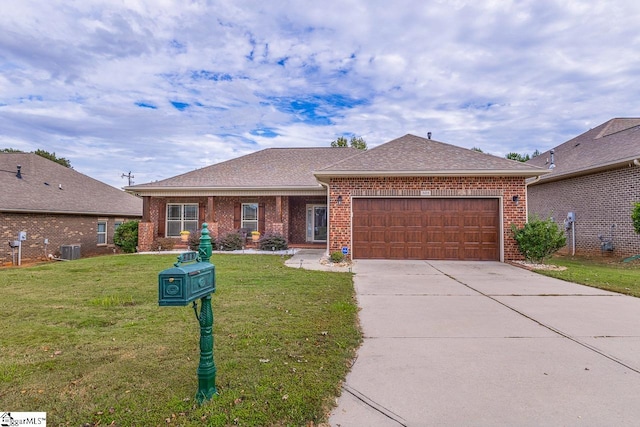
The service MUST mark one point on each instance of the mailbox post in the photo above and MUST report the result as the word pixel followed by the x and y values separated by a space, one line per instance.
pixel 182 284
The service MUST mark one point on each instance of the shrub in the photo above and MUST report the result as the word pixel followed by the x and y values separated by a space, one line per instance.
pixel 538 239
pixel 126 236
pixel 635 217
pixel 336 256
pixel 194 241
pixel 272 242
pixel 163 244
pixel 231 241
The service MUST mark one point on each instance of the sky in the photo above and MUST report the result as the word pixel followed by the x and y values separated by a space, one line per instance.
pixel 162 87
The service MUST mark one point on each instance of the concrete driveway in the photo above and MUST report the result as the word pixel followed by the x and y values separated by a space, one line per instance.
pixel 489 344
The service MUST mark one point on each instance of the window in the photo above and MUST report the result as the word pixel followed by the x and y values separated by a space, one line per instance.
pixel 102 232
pixel 249 216
pixel 117 223
pixel 181 217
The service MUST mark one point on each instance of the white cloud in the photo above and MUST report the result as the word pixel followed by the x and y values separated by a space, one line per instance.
pixel 164 87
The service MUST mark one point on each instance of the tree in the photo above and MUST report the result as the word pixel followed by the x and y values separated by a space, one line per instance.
pixel 479 150
pixel 635 217
pixel 535 153
pixel 52 156
pixel 42 153
pixel 340 142
pixel 358 142
pixel 518 157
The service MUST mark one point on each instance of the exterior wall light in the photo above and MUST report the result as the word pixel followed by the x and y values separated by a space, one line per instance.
pixel 339 200
pixel 516 199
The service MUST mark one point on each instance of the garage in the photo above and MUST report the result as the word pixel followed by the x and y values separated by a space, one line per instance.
pixel 426 228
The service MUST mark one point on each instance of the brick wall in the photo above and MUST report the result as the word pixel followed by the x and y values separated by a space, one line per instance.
pixel 505 187
pixel 599 201
pixel 58 229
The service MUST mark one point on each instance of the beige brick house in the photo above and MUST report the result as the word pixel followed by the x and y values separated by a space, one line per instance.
pixel 57 206
pixel 595 175
pixel 412 198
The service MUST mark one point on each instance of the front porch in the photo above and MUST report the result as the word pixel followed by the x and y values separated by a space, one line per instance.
pixel 301 220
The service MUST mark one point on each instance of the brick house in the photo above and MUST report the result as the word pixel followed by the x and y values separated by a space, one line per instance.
pixel 412 198
pixel 57 206
pixel 595 175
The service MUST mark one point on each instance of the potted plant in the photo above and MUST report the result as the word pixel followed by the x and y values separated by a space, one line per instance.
pixel 255 236
pixel 184 235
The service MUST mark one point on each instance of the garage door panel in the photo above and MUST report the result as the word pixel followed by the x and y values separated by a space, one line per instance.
pixel 413 236
pixel 426 228
pixel 472 237
pixel 395 236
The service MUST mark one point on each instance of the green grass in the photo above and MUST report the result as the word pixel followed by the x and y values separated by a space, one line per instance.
pixel 86 342
pixel 611 275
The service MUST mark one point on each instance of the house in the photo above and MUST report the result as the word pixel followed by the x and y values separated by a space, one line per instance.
pixel 57 206
pixel 596 176
pixel 413 198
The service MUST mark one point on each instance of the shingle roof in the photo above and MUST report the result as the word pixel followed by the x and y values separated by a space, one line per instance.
pixel 266 169
pixel 608 145
pixel 414 155
pixel 48 187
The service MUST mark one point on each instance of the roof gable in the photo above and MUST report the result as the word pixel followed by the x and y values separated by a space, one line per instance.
pixel 608 145
pixel 412 154
pixel 48 187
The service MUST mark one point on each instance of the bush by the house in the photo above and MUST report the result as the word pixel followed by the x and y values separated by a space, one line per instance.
pixel 126 236
pixel 272 242
pixel 194 241
pixel 539 239
pixel 163 244
pixel 336 256
pixel 230 242
pixel 635 217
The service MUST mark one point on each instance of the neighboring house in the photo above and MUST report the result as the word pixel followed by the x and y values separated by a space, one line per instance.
pixel 596 176
pixel 412 198
pixel 57 206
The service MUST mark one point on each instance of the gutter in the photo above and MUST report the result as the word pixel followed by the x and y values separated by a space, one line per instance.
pixel 46 211
pixel 136 189
pixel 631 161
pixel 463 172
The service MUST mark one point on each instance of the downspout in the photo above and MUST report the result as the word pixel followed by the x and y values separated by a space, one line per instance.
pixel 328 215
pixel 526 195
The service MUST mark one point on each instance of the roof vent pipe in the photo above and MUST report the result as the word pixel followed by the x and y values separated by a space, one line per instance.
pixel 553 164
pixel 428 135
pixel 636 162
pixel 19 174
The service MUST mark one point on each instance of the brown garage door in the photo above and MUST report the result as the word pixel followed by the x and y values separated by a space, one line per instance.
pixel 438 229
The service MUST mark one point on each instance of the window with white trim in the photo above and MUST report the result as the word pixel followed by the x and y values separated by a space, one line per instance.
pixel 180 217
pixel 117 223
pixel 102 232
pixel 249 219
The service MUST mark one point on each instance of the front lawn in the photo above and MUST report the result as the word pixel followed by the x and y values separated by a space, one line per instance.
pixel 86 342
pixel 603 273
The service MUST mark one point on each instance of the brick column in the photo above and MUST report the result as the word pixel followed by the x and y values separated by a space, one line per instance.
pixel 145 236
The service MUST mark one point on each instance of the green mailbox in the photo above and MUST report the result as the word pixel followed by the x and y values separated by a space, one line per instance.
pixel 193 277
pixel 188 280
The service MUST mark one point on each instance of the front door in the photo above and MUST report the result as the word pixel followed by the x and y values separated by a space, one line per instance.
pixel 316 223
